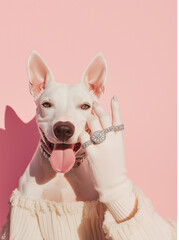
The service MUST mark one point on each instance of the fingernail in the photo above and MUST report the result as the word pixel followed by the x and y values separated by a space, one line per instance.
pixel 95 103
pixel 115 98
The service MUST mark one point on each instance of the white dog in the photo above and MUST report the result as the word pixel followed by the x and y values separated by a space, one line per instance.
pixel 62 111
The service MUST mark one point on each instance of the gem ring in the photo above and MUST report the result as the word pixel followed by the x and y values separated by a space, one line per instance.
pixel 100 135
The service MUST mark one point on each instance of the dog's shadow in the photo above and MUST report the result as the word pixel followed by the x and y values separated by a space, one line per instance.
pixel 18 142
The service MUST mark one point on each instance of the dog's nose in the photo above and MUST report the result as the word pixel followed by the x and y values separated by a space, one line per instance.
pixel 63 130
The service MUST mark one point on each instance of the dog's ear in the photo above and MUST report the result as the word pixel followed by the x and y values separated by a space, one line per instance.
pixel 39 74
pixel 94 77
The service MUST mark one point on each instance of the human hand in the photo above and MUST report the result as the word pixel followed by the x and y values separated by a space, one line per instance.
pixel 106 160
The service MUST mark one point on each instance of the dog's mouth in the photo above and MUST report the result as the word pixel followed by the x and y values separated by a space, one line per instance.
pixel 50 145
pixel 62 156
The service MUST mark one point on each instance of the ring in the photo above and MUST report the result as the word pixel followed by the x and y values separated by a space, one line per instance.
pixel 100 135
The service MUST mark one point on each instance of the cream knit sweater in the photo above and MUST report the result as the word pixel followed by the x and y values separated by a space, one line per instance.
pixel 91 220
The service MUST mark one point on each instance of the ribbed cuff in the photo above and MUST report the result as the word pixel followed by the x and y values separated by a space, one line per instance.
pixel 124 208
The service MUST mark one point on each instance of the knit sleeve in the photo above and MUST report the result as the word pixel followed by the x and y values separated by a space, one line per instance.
pixel 144 224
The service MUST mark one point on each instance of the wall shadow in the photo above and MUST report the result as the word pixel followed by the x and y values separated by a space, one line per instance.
pixel 18 142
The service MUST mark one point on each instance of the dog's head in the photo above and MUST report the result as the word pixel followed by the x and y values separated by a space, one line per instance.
pixel 62 109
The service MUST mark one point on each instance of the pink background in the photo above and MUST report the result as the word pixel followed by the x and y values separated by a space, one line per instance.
pixel 138 39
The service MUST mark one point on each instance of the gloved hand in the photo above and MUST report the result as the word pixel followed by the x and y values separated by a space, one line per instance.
pixel 107 163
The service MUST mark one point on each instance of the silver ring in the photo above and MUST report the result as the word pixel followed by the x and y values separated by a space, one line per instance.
pixel 100 135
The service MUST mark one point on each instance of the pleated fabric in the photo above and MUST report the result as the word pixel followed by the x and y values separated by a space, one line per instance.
pixel 48 220
pixel 91 220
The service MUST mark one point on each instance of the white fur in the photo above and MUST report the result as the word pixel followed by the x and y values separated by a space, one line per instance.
pixel 39 180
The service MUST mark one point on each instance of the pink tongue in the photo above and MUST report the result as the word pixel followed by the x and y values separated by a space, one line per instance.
pixel 62 158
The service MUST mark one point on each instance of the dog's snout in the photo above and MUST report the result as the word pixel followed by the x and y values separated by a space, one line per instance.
pixel 63 130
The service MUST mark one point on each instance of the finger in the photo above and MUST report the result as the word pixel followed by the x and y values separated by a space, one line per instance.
pixel 93 123
pixel 84 137
pixel 116 119
pixel 104 118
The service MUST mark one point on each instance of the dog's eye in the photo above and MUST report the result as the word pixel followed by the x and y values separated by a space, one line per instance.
pixel 85 106
pixel 46 104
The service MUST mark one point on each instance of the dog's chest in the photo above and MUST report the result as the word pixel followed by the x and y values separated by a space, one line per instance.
pixel 77 185
pixel 58 190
